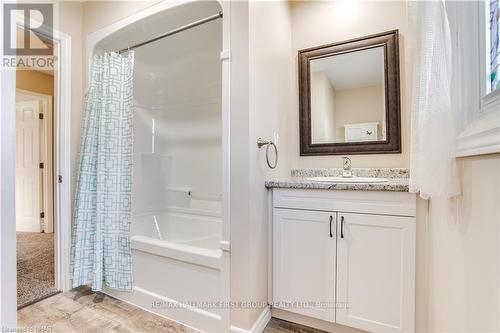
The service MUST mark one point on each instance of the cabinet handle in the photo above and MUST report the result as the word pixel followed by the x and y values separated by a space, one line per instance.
pixel 342 227
pixel 331 220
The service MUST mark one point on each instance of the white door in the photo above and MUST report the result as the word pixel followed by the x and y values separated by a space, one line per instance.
pixel 304 245
pixel 376 272
pixel 28 194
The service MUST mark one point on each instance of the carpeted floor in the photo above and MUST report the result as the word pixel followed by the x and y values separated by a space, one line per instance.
pixel 35 267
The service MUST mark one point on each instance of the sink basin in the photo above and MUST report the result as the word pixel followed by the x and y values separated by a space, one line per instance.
pixel 356 180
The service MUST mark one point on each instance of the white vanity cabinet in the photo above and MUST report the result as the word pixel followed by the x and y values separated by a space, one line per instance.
pixel 300 236
pixel 349 256
pixel 375 272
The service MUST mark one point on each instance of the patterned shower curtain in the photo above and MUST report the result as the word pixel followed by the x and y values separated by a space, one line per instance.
pixel 100 248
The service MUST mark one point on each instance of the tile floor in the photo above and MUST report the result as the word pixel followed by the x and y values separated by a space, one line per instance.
pixel 82 311
pixel 281 326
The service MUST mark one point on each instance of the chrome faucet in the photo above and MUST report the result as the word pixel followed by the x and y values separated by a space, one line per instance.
pixel 347 172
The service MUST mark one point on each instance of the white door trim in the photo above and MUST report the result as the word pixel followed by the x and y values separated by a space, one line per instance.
pixel 8 283
pixel 62 151
pixel 62 160
pixel 47 156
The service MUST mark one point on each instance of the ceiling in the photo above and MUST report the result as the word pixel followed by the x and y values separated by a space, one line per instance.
pixel 351 70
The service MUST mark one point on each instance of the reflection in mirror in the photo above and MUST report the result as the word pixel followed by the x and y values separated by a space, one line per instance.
pixel 348 97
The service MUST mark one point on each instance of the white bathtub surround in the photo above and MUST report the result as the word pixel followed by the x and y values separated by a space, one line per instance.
pixel 434 120
pixel 180 199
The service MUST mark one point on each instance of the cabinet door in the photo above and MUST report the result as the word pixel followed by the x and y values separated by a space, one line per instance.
pixel 376 272
pixel 304 245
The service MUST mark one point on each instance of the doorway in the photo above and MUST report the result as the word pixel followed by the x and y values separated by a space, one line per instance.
pixel 34 186
pixel 62 106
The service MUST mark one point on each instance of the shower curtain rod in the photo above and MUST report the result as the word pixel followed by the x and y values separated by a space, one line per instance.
pixel 173 32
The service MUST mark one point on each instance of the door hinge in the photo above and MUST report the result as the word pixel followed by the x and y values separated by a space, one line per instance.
pixel 59 179
pixel 42 165
pixel 225 55
pixel 42 215
pixel 40 116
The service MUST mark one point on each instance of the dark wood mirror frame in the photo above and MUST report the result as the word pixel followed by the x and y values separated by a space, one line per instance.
pixel 390 43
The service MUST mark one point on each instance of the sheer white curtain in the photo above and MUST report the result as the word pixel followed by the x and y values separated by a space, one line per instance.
pixel 433 170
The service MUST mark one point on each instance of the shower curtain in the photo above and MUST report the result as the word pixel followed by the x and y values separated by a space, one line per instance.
pixel 101 252
pixel 433 118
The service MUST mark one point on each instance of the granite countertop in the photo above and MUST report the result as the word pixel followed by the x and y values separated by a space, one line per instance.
pixel 397 180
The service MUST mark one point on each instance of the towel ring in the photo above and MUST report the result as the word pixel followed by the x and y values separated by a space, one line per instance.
pixel 261 143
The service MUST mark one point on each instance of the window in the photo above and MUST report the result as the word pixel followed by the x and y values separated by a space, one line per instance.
pixel 494 48
pixel 475 38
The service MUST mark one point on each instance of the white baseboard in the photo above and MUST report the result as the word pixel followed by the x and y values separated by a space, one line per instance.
pixel 258 326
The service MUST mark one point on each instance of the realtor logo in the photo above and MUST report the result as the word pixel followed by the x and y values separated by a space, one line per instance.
pixel 37 29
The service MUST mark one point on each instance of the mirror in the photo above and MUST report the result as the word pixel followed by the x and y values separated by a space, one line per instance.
pixel 350 97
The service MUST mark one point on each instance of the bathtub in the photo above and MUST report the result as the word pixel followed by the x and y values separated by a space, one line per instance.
pixel 179 234
pixel 180 167
pixel 183 227
pixel 178 267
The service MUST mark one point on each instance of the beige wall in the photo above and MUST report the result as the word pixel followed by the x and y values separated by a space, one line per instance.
pixel 458 260
pixel 98 14
pixel 332 109
pixel 358 105
pixel 323 110
pixel 316 23
pixel 260 88
pixel 35 81
pixel 242 273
